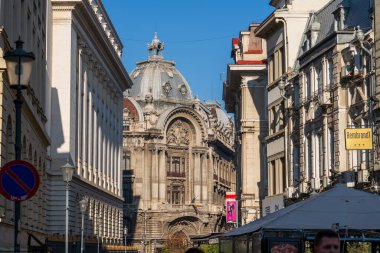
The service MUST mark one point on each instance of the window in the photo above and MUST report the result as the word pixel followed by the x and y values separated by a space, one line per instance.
pixel 273 120
pixel 176 194
pixel 273 172
pixel 330 75
pixel 320 156
pixel 318 79
pixel 126 124
pixel 283 174
pixel 331 148
pixel 176 166
pixel 296 162
pixel 308 85
pixel 309 164
pixel 126 161
pixel 281 111
pixel 277 64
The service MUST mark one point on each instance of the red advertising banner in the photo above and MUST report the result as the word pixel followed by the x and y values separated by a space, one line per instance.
pixel 231 210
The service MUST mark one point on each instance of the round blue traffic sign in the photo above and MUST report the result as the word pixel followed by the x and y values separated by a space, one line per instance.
pixel 19 180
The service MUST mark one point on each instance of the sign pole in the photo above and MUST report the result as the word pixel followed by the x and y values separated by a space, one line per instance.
pixel 18 105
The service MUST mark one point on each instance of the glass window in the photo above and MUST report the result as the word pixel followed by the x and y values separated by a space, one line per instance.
pixel 319 79
pixel 308 85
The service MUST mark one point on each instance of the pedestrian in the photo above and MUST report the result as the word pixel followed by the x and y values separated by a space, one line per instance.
pixel 327 241
pixel 194 250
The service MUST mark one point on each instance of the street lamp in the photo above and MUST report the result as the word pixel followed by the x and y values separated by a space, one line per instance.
pixel 98 218
pixel 67 173
pixel 83 207
pixel 19 67
pixel 125 237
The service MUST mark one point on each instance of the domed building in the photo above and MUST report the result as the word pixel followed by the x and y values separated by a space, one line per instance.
pixel 177 158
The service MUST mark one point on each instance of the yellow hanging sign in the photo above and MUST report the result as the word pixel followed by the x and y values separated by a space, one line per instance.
pixel 358 138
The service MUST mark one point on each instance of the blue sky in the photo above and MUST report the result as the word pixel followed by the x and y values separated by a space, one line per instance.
pixel 197 34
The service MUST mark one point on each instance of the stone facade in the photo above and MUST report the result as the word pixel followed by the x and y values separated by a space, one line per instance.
pixel 88 81
pixel 283 31
pixel 376 8
pixel 320 83
pixel 177 158
pixel 244 93
pixel 29 19
pixel 333 96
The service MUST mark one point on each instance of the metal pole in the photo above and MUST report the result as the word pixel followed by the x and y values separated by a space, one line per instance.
pixel 18 105
pixel 98 243
pixel 81 235
pixel 144 231
pixel 67 219
pixel 125 243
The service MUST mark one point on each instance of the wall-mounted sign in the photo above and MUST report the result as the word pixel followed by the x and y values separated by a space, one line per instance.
pixel 231 210
pixel 358 138
pixel 231 207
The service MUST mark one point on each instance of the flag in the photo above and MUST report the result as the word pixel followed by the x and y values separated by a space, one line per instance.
pixel 194 203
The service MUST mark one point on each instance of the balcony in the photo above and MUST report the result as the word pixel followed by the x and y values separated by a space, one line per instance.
pixel 176 174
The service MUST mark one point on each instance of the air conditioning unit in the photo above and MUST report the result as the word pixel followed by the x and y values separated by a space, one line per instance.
pixel 315 183
pixel 363 176
pixel 325 181
pixel 289 192
pixel 349 178
pixel 324 98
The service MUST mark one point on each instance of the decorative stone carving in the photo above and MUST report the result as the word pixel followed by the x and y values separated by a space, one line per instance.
pixel 166 87
pixel 178 134
pixel 150 113
pixel 182 89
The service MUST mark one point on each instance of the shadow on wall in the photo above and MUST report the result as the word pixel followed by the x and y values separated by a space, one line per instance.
pixel 260 102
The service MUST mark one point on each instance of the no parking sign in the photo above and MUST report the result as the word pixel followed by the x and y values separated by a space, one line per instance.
pixel 19 180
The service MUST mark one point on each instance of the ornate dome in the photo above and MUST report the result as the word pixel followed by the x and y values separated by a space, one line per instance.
pixel 159 77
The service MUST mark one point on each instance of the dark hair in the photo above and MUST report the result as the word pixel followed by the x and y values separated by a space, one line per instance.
pixel 324 233
pixel 194 250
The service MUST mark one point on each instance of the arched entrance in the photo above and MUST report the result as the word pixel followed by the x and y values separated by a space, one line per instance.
pixel 177 242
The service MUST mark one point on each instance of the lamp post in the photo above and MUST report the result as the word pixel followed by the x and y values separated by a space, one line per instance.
pixel 83 207
pixel 67 173
pixel 19 68
pixel 98 218
pixel 125 238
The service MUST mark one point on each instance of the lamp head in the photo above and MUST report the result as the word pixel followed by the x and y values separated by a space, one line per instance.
pixel 19 65
pixel 67 172
pixel 83 204
pixel 359 34
pixel 281 85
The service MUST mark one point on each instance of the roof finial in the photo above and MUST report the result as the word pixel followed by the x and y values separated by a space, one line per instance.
pixel 155 48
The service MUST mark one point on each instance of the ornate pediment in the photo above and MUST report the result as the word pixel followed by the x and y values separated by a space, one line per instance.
pixel 178 134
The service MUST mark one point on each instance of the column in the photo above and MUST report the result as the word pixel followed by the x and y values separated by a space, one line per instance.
pixel 147 177
pixel 79 113
pixel 162 175
pixel 197 175
pixel 155 189
pixel 205 183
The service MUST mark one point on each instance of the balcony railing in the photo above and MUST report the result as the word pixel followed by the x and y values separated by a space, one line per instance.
pixel 176 174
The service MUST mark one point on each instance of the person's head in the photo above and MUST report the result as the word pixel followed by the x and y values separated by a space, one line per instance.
pixel 194 250
pixel 326 241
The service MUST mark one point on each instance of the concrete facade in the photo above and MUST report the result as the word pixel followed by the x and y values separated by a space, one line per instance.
pixel 244 93
pixel 28 19
pixel 88 81
pixel 177 160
